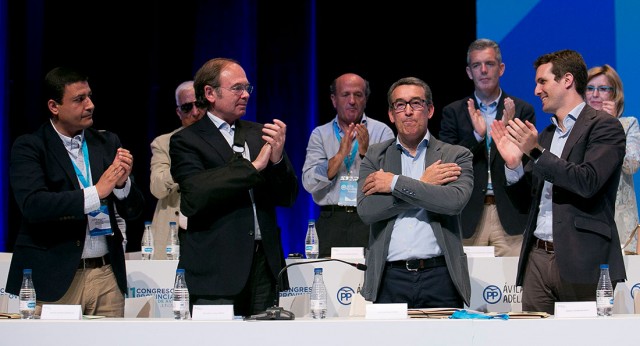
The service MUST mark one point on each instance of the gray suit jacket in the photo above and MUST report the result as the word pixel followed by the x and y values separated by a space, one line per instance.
pixel 443 203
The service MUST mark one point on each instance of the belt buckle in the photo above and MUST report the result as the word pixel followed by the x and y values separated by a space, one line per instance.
pixel 545 247
pixel 412 269
pixel 349 209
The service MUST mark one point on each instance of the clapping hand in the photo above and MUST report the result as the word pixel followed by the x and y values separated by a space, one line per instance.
pixel 275 134
pixel 477 120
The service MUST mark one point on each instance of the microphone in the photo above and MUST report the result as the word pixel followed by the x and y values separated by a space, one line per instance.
pixel 276 312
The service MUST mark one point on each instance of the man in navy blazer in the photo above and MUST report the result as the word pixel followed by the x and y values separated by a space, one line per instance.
pixel 489 219
pixel 72 184
pixel 571 181
pixel 232 174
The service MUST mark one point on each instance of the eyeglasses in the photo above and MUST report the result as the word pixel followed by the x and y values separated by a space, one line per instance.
pixel 187 107
pixel 603 89
pixel 415 104
pixel 239 89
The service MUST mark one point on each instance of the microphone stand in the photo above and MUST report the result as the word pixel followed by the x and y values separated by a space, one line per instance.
pixel 276 312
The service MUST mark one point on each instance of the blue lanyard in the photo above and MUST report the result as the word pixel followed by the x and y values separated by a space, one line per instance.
pixel 348 161
pixel 85 154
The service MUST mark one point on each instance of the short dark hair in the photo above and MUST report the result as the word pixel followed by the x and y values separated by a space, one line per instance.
pixel 59 77
pixel 566 61
pixel 428 96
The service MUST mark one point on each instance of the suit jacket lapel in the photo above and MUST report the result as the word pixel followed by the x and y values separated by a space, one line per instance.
pixel 211 135
pixel 97 161
pixel 54 143
pixel 393 163
pixel 431 155
pixel 578 130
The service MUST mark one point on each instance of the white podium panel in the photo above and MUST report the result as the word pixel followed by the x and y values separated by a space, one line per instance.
pixel 342 280
pixel 492 284
pixel 153 278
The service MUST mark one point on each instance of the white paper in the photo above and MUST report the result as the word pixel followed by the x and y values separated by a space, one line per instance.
pixel 347 252
pixel 61 312
pixel 395 311
pixel 575 309
pixel 212 312
pixel 479 251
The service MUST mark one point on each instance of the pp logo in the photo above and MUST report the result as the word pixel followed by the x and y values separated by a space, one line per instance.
pixel 635 289
pixel 344 295
pixel 492 294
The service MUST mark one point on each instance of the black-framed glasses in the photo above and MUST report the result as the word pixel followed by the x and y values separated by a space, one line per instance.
pixel 415 104
pixel 238 89
pixel 187 107
pixel 603 89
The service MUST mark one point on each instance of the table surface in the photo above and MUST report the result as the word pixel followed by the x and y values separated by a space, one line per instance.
pixel 332 331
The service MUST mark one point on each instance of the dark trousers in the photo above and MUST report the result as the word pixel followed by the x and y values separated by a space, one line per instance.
pixel 339 228
pixel 258 294
pixel 542 285
pixel 427 288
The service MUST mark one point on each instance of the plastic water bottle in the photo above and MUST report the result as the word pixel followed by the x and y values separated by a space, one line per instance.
pixel 146 247
pixel 180 297
pixel 604 292
pixel 27 296
pixel 311 242
pixel 173 247
pixel 318 300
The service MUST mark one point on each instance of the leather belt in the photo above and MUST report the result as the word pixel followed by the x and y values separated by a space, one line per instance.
pixel 94 262
pixel 544 245
pixel 489 199
pixel 419 264
pixel 335 208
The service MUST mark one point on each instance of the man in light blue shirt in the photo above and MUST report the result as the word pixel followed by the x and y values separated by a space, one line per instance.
pixel 334 154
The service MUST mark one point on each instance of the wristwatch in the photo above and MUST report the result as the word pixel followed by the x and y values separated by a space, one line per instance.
pixel 535 153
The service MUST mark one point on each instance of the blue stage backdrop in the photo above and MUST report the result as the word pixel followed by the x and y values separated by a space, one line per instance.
pixel 291 59
pixel 603 31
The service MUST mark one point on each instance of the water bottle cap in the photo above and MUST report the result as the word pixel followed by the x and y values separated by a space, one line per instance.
pixel 147 223
pixel 317 270
pixel 172 223
pixel 604 266
pixel 26 271
pixel 178 271
pixel 312 220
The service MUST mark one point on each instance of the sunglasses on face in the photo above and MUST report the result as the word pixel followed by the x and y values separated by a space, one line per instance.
pixel 187 107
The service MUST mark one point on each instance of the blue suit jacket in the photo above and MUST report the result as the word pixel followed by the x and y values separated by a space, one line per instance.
pixel 53 229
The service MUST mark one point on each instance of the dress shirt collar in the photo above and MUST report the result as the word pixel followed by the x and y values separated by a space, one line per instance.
pixel 491 106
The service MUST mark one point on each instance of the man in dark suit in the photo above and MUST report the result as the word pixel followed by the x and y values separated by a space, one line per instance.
pixel 72 183
pixel 489 219
pixel 411 191
pixel 572 179
pixel 232 174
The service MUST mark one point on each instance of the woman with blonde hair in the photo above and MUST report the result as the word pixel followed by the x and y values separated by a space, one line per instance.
pixel 604 92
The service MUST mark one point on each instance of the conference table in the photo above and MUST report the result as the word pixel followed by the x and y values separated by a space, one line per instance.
pixel 493 286
pixel 619 329
pixel 493 289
